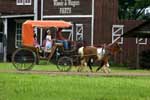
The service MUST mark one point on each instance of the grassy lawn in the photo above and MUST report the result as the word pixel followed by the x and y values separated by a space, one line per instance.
pixel 48 87
pixel 44 87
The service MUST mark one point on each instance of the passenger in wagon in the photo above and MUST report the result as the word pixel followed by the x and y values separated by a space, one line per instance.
pixel 61 39
pixel 48 42
pixel 35 42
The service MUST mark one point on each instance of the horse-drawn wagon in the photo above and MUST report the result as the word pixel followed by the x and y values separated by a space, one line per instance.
pixel 25 57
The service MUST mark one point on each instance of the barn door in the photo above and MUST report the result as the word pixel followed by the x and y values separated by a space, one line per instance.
pixel 79 32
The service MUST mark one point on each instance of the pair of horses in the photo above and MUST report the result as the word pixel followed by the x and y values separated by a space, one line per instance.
pixel 89 54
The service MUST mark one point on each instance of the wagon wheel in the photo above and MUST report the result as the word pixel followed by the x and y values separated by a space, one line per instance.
pixel 64 63
pixel 23 59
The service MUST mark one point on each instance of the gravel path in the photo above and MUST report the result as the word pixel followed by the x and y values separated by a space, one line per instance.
pixel 127 74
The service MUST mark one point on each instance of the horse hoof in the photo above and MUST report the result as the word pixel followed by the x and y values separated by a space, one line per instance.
pixel 109 70
pixel 96 71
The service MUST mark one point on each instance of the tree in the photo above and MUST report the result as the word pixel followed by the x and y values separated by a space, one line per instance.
pixel 133 9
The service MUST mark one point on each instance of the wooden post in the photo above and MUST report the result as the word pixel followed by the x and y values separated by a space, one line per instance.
pixel 137 55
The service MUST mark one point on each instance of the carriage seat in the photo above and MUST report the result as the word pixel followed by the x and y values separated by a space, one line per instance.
pixel 55 45
pixel 59 44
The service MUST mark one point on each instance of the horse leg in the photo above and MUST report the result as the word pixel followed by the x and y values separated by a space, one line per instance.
pixel 107 65
pixel 89 64
pixel 105 69
pixel 101 66
pixel 81 65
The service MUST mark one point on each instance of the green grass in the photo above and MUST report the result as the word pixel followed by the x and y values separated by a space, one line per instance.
pixel 44 87
pixel 52 87
pixel 41 66
pixel 51 67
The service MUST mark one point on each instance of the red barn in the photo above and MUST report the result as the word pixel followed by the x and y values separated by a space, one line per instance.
pixel 93 21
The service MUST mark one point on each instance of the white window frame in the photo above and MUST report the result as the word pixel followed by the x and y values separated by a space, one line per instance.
pixel 27 2
pixel 18 40
pixel 70 31
pixel 117 31
pixel 23 2
pixel 141 41
pixel 79 32
pixel 19 2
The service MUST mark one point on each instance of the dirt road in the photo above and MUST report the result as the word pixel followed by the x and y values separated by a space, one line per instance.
pixel 95 74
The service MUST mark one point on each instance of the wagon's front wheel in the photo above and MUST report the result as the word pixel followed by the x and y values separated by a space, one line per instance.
pixel 23 59
pixel 64 63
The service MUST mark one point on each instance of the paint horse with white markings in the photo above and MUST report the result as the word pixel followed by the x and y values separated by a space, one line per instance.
pixel 102 54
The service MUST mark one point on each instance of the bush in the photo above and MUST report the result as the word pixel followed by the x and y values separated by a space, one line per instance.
pixel 145 59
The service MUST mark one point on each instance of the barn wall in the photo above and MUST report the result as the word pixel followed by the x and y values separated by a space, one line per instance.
pixel 83 8
pixel 106 14
pixel 130 53
pixel 86 26
pixel 10 7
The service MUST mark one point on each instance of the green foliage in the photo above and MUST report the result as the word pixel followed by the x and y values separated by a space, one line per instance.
pixel 133 9
pixel 44 87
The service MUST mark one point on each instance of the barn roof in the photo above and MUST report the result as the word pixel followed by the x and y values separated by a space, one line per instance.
pixel 137 29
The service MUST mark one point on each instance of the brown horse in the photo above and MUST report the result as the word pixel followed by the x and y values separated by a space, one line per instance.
pixel 102 54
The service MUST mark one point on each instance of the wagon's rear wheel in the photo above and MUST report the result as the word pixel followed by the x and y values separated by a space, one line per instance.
pixel 23 59
pixel 64 63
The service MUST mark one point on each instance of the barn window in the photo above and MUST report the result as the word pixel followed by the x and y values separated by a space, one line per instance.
pixel 27 2
pixel 19 2
pixel 68 33
pixel 141 41
pixel 79 32
pixel 23 2
pixel 117 31
pixel 18 38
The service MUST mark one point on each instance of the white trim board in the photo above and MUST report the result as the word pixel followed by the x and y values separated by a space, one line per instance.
pixel 15 16
pixel 92 22
pixel 67 16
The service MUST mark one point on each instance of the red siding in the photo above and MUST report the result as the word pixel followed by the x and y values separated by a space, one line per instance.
pixel 106 14
pixel 10 7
